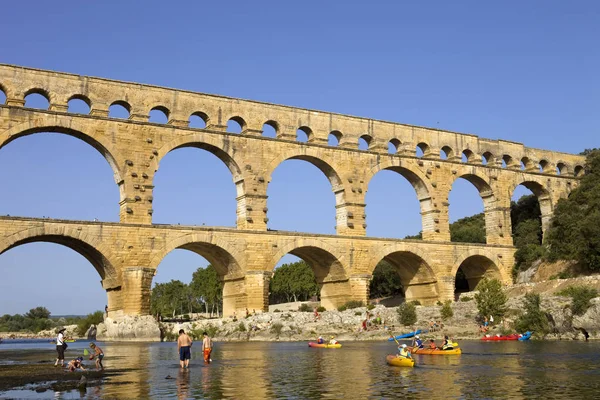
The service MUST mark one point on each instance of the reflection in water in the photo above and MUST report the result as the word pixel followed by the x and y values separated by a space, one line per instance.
pixel 272 370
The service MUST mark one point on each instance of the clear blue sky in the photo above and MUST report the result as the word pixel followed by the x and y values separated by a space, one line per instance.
pixel 521 71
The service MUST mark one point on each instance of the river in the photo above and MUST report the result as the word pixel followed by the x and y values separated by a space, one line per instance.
pixel 262 370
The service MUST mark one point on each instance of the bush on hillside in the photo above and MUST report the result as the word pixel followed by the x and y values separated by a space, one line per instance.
pixel 491 299
pixel 407 314
pixel 533 319
pixel 580 298
pixel 446 310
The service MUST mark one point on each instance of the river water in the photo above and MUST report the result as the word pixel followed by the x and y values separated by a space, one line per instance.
pixel 274 370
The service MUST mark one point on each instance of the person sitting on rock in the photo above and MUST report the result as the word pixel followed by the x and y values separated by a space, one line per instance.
pixel 333 341
pixel 76 363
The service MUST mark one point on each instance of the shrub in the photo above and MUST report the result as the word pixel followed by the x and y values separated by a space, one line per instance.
pixel 354 304
pixel 407 314
pixel 211 330
pixel 186 317
pixel 370 307
pixel 446 311
pixel 277 310
pixel 89 320
pixel 415 303
pixel 342 308
pixel 533 319
pixel 357 313
pixel 491 299
pixel 466 298
pixel 304 308
pixel 580 298
pixel 321 309
pixel 276 328
pixel 241 327
pixel 439 303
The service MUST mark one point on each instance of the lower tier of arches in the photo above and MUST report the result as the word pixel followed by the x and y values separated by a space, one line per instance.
pixel 127 256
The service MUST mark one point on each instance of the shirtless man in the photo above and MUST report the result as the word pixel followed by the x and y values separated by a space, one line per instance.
pixel 184 345
pixel 206 347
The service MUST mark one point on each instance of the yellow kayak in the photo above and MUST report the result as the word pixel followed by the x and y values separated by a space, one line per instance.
pixel 324 345
pixel 399 361
pixel 433 352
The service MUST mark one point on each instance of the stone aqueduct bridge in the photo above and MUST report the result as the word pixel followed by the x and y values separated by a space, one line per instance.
pixel 126 254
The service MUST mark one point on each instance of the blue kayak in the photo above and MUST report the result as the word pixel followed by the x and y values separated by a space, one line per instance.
pixel 406 335
pixel 525 336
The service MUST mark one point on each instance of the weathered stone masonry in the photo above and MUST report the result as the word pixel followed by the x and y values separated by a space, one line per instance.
pixel 126 254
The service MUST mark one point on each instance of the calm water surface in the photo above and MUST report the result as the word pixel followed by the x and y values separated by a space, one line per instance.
pixel 549 370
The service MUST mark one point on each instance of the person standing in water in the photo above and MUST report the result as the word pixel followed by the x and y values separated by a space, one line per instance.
pixel 184 345
pixel 60 348
pixel 206 347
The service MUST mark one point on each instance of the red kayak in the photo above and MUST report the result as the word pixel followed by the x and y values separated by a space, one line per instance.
pixel 514 336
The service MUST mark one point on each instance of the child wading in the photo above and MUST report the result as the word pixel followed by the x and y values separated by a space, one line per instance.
pixel 206 347
pixel 98 354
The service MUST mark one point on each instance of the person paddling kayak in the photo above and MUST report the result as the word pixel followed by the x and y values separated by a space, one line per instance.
pixel 403 352
pixel 418 342
pixel 447 344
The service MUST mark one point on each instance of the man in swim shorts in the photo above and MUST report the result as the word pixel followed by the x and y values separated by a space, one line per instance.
pixel 184 345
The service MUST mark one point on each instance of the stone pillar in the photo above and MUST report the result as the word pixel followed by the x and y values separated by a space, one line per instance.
pixel 334 294
pixel 257 290
pixel 61 107
pixel 234 296
pixel 113 294
pixel 252 211
pixel 137 188
pixel 445 288
pixel 137 283
pixel 360 287
pixel 498 225
pixel 350 219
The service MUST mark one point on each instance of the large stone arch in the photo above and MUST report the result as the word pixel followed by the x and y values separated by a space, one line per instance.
pixel 479 263
pixel 418 278
pixel 223 255
pixel 422 186
pixel 98 254
pixel 73 127
pixel 327 265
pixel 543 196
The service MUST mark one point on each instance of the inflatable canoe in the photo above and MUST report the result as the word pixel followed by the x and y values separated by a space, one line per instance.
pixel 525 336
pixel 399 361
pixel 324 345
pixel 513 336
pixel 406 335
pixel 435 352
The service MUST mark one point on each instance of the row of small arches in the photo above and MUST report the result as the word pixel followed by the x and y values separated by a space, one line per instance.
pixel 79 104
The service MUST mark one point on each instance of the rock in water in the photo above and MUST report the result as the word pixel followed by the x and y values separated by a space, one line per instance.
pixel 82 383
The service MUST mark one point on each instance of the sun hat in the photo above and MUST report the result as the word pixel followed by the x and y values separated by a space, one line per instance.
pixel 403 346
pixel 416 336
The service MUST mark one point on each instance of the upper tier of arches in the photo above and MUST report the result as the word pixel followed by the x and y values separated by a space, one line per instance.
pixel 177 108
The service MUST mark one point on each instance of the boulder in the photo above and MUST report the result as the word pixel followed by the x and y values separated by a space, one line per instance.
pixel 129 328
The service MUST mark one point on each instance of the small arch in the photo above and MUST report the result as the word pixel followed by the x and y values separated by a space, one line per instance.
pixel 394 146
pixel 544 165
pixel 2 95
pixel 270 129
pixel 364 142
pixel 303 134
pixel 446 153
pixel 561 168
pixel 526 164
pixel 119 109
pixel 236 125
pixel 467 156
pixel 37 98
pixel 507 161
pixel 486 158
pixel 158 115
pixel 422 149
pixel 334 138
pixel 198 120
pixel 79 104
pixel 471 270
pixel 578 170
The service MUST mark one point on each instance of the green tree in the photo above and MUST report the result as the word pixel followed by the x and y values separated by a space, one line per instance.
pixel 91 319
pixel 170 298
pixel 446 310
pixel 207 289
pixel 38 312
pixel 293 282
pixel 491 299
pixel 580 298
pixel 533 319
pixel 386 281
pixel 407 314
pixel 469 229
pixel 574 232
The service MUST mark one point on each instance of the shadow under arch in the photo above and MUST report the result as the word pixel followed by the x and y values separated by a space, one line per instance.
pixel 422 188
pixel 475 266
pixel 418 279
pixel 72 128
pixel 327 266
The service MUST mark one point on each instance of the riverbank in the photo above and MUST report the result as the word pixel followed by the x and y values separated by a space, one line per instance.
pixel 36 371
